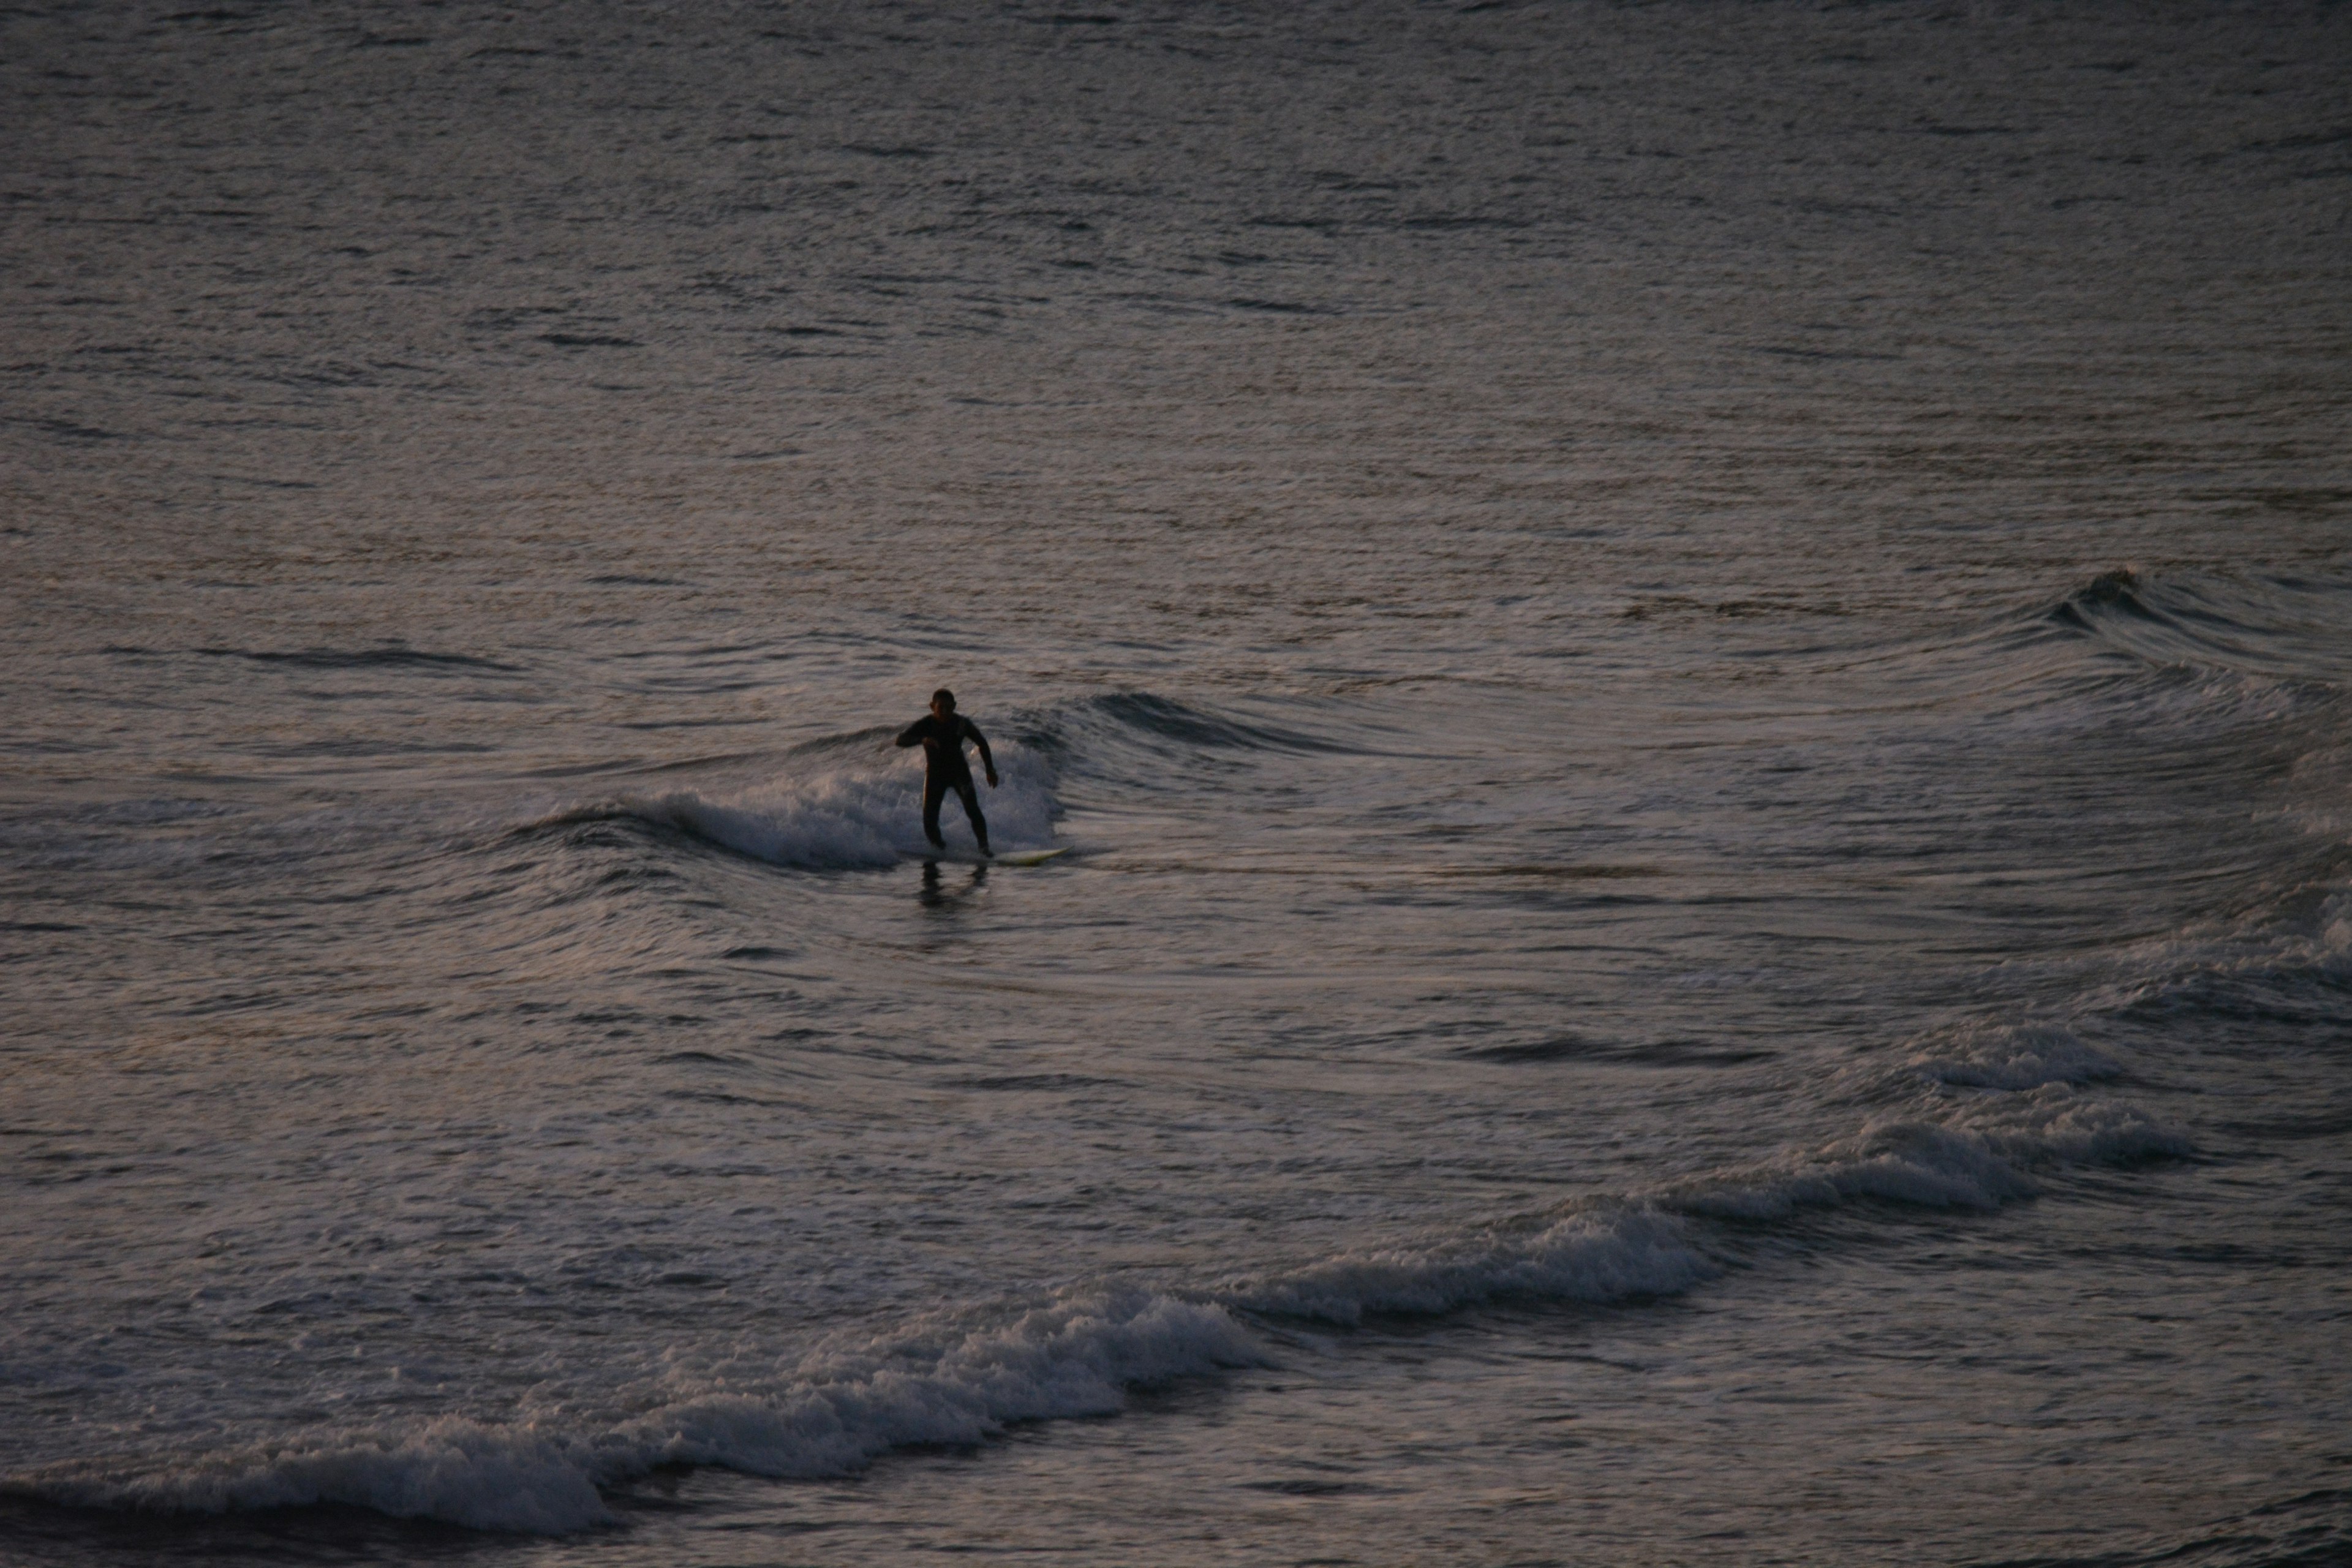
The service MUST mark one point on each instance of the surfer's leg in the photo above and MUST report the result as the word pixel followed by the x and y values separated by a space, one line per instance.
pixel 934 789
pixel 972 809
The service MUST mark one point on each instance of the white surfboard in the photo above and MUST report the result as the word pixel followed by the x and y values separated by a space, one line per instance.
pixel 974 858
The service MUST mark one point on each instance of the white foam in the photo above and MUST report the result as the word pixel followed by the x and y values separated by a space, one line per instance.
pixel 1076 1356
pixel 2051 1126
pixel 2013 1056
pixel 1981 1157
pixel 958 1379
pixel 2335 941
pixel 827 1415
pixel 855 817
pixel 949 1380
pixel 2275 954
pixel 1599 1255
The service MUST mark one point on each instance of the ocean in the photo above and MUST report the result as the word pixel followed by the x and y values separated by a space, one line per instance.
pixel 1693 662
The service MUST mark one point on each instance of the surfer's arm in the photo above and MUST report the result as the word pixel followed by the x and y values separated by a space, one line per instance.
pixel 972 730
pixel 912 735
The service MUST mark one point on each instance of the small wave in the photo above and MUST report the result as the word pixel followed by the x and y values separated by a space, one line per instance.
pixel 834 819
pixel 1141 740
pixel 952 1379
pixel 842 807
pixel 832 823
pixel 1081 1354
pixel 2014 1056
pixel 847 801
pixel 2117 591
pixel 2295 965
pixel 1142 713
pixel 482 1476
pixel 1594 1257
pixel 1986 1154
pixel 2297 629
pixel 1074 1357
pixel 1981 1159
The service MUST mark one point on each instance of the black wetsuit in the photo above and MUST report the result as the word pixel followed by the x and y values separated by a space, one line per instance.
pixel 945 769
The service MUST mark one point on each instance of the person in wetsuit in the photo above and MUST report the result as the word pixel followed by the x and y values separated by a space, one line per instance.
pixel 943 736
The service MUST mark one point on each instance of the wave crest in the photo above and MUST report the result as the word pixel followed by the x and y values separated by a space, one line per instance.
pixel 1603 1257
pixel 1981 1159
pixel 1076 1356
pixel 2014 1056
pixel 838 819
pixel 2283 627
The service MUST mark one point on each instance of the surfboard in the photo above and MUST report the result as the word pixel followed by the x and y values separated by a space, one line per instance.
pixel 974 858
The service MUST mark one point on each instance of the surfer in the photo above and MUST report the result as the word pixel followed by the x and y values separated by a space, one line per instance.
pixel 943 736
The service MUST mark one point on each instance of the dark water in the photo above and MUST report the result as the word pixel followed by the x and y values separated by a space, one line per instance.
pixel 1695 663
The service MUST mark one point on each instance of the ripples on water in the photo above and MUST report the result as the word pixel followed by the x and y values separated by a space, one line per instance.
pixel 1692 662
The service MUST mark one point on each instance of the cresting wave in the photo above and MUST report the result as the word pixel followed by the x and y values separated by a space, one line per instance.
pixel 962 1378
pixel 2012 1057
pixel 2288 626
pixel 1980 1158
pixel 1133 719
pixel 836 819
pixel 2297 969
pixel 826 1416
pixel 849 801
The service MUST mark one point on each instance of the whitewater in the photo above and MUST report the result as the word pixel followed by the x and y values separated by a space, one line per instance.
pixel 1692 664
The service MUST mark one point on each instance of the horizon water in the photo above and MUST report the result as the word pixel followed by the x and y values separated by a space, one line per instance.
pixel 1694 663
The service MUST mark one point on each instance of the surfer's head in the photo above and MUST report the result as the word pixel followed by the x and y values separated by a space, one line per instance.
pixel 942 702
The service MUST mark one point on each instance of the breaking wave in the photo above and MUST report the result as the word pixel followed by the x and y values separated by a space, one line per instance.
pixel 961 1379
pixel 2013 1056
pixel 1979 1159
pixel 837 818
pixel 1610 1255
pixel 1074 1357
pixel 850 801
pixel 2286 626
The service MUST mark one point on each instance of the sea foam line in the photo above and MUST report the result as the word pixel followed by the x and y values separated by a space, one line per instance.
pixel 1077 1356
pixel 1081 1354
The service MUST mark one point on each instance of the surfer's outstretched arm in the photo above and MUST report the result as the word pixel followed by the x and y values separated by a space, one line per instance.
pixel 912 735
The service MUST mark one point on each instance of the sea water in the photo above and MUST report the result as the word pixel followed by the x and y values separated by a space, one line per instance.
pixel 1695 662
